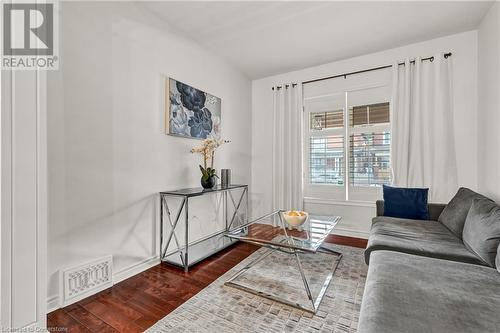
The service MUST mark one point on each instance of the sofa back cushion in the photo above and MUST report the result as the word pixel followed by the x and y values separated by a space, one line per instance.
pixel 482 230
pixel 408 203
pixel 455 212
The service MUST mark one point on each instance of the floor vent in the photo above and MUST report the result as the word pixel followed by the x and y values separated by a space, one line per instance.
pixel 84 280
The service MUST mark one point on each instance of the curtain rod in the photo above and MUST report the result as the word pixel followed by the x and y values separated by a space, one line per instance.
pixel 446 55
pixel 285 86
pixel 431 59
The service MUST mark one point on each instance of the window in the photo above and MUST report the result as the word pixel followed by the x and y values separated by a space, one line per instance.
pixel 369 145
pixel 327 119
pixel 347 144
pixel 369 114
pixel 326 160
pixel 370 159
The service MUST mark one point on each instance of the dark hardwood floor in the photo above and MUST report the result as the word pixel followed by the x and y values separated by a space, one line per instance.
pixel 137 303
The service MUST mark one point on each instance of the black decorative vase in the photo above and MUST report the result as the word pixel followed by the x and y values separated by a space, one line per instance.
pixel 209 183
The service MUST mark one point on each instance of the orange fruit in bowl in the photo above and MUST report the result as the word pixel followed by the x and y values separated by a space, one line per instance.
pixel 295 218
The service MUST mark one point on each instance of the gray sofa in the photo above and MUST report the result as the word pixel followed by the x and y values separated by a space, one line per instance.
pixel 423 277
pixel 430 238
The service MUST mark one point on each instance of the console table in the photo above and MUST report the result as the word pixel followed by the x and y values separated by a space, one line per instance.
pixel 186 252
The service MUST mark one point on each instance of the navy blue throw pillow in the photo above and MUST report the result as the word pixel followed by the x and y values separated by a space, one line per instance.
pixel 408 203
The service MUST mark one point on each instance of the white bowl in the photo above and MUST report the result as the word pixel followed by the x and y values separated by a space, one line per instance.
pixel 295 221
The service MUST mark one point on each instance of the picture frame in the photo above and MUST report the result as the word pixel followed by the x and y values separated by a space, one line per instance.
pixel 191 112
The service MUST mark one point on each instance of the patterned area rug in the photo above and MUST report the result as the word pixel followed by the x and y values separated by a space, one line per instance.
pixel 219 308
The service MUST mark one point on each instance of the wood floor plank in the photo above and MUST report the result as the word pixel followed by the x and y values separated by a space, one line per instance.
pixel 135 304
pixel 113 316
pixel 60 321
pixel 87 319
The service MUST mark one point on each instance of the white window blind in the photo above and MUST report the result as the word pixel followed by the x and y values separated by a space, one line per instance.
pixel 369 159
pixel 326 120
pixel 369 145
pixel 326 160
pixel 347 141
pixel 369 114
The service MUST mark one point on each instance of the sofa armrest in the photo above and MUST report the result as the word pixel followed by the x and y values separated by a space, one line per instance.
pixel 435 209
pixel 380 207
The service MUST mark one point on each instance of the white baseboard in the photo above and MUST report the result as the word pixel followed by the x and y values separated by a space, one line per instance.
pixel 53 302
pixel 135 269
pixel 350 233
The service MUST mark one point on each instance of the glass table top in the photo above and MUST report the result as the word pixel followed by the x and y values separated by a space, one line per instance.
pixel 196 191
pixel 316 229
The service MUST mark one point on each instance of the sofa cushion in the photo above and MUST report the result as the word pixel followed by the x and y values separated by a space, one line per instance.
pixel 409 203
pixel 455 212
pixel 425 238
pixel 482 230
pixel 406 293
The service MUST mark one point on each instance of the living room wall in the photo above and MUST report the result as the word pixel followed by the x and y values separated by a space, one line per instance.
pixel 108 156
pixel 357 215
pixel 489 104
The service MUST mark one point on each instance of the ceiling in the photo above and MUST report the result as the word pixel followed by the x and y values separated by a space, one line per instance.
pixel 266 38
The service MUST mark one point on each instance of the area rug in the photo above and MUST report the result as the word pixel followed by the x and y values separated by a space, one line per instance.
pixel 219 308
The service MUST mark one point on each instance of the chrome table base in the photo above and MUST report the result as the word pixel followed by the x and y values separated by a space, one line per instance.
pixel 167 224
pixel 291 246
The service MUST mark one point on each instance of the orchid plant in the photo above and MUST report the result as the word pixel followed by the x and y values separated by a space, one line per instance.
pixel 207 150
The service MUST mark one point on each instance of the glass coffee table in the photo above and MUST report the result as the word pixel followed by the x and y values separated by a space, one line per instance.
pixel 299 249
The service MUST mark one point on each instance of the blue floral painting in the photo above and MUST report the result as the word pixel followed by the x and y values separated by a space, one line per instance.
pixel 192 113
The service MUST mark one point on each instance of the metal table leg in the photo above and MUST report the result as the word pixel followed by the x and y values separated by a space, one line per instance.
pixel 186 249
pixel 315 302
pixel 172 226
pixel 165 217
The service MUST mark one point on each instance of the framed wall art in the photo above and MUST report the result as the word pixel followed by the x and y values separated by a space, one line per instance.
pixel 190 112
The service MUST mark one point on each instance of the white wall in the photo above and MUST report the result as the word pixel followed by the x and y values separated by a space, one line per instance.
pixel 489 104
pixel 357 218
pixel 108 154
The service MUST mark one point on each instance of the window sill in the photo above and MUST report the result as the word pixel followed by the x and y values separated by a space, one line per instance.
pixel 354 203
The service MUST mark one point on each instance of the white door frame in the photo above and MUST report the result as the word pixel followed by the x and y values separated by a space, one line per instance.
pixel 23 231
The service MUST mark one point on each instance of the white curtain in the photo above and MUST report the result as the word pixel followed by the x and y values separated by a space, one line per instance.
pixel 423 144
pixel 287 148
